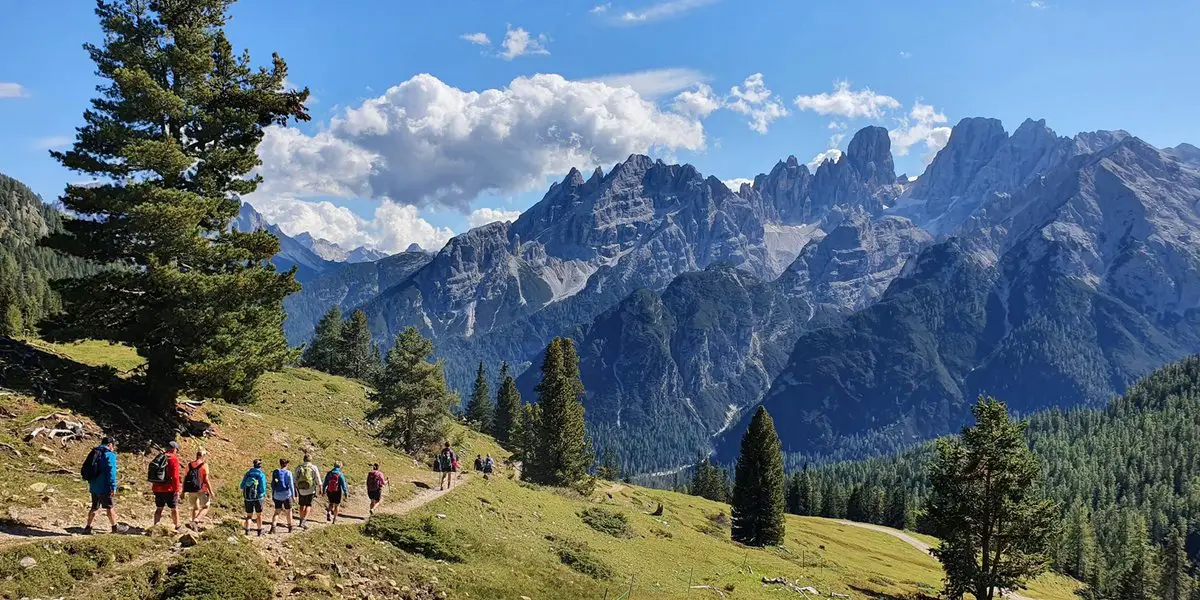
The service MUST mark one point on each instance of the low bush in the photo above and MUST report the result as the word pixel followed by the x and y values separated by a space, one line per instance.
pixel 60 565
pixel 219 570
pixel 578 556
pixel 424 537
pixel 606 521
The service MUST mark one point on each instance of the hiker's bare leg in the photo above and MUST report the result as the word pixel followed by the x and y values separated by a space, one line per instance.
pixel 112 516
pixel 91 515
pixel 289 519
pixel 157 515
pixel 175 517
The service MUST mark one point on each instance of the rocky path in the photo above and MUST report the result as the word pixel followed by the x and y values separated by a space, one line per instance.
pixel 918 544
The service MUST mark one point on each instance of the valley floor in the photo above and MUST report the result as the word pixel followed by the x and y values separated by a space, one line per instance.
pixel 505 539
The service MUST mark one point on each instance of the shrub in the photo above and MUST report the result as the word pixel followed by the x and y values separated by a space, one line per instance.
pixel 60 565
pixel 422 537
pixel 606 521
pixel 219 571
pixel 578 556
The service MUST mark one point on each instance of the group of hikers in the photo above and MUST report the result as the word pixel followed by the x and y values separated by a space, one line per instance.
pixel 170 484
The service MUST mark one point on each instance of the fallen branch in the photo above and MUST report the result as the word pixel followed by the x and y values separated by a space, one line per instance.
pixel 791 585
pixel 709 588
pixel 10 448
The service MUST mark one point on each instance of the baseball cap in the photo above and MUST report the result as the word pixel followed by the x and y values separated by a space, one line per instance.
pixel 106 440
pixel 174 444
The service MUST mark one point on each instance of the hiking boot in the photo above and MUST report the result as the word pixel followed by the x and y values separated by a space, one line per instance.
pixel 120 528
pixel 328 516
pixel 272 531
pixel 289 528
pixel 259 533
pixel 87 530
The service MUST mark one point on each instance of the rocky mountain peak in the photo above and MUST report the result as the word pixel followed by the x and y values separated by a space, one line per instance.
pixel 1185 153
pixel 870 151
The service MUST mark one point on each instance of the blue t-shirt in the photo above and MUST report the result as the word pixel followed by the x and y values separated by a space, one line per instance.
pixel 282 486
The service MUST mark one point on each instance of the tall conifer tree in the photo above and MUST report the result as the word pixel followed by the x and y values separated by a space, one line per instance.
pixel 412 393
pixel 323 351
pixel 172 138
pixel 356 357
pixel 507 418
pixel 758 488
pixel 479 407
pixel 563 452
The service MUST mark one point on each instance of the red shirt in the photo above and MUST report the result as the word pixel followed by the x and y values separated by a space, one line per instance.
pixel 174 483
pixel 203 468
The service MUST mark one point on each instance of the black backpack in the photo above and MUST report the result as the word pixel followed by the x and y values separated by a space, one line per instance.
pixel 94 464
pixel 191 481
pixel 157 472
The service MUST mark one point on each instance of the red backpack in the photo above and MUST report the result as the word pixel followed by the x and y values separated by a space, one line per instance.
pixel 374 480
pixel 333 483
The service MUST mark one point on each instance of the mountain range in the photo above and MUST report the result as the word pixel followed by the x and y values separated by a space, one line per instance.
pixel 864 310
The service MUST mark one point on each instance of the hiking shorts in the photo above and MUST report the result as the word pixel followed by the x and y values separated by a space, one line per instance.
pixel 198 500
pixel 254 506
pixel 283 504
pixel 166 499
pixel 306 499
pixel 375 495
pixel 104 500
pixel 334 497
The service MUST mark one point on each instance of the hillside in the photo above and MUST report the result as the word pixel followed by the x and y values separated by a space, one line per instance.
pixel 513 539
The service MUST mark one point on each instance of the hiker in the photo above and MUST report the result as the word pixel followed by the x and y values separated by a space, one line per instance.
pixel 166 483
pixel 197 488
pixel 375 483
pixel 308 477
pixel 100 471
pixel 447 463
pixel 478 462
pixel 335 489
pixel 283 489
pixel 254 489
pixel 489 465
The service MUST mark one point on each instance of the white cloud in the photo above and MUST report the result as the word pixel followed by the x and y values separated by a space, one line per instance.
pixel 518 42
pixel 923 125
pixel 735 184
pixel 1038 4
pixel 479 38
pixel 392 228
pixel 483 216
pixel 12 90
pixel 424 142
pixel 698 103
pixel 53 142
pixel 654 83
pixel 830 154
pixel 837 125
pixel 601 8
pixel 662 10
pixel 905 54
pixel 848 103
pixel 754 100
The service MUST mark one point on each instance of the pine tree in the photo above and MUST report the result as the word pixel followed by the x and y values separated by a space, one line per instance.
pixel 479 408
pixel 986 491
pixel 608 469
pixel 758 495
pixel 507 418
pixel 412 393
pixel 1078 554
pixel 322 352
pixel 896 511
pixel 563 451
pixel 173 137
pixel 710 481
pixel 1176 583
pixel 1140 579
pixel 12 325
pixel 356 356
pixel 525 442
pixel 856 505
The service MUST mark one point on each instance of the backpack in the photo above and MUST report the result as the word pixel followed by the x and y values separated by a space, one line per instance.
pixel 444 462
pixel 94 464
pixel 333 483
pixel 279 481
pixel 191 481
pixel 374 480
pixel 251 492
pixel 157 473
pixel 304 478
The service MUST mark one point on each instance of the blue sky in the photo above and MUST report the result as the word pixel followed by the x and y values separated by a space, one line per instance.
pixel 428 158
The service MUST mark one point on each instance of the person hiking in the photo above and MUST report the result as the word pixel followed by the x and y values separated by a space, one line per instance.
pixel 335 489
pixel 283 489
pixel 447 464
pixel 197 489
pixel 478 463
pixel 166 483
pixel 375 483
pixel 489 465
pixel 254 489
pixel 100 471
pixel 308 478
